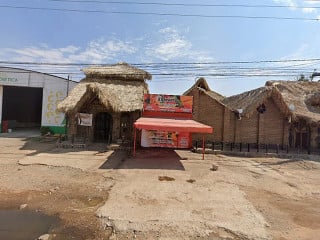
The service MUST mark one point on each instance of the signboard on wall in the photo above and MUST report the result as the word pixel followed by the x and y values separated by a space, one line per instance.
pixel 85 119
pixel 167 103
pixel 154 138
pixel 11 78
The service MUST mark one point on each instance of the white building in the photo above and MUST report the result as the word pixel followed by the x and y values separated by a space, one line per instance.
pixel 29 99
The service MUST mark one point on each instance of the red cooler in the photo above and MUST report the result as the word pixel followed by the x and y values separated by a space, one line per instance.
pixel 5 125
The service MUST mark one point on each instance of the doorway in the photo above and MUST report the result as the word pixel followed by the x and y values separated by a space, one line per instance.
pixel 301 140
pixel 125 127
pixel 22 106
pixel 103 127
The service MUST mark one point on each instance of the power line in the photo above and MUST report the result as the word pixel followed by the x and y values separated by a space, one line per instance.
pixel 165 63
pixel 173 73
pixel 160 14
pixel 186 4
pixel 218 74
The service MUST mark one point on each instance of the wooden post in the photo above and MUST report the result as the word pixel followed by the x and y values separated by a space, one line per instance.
pixel 258 132
pixel 134 141
pixel 266 147
pixel 309 139
pixel 203 147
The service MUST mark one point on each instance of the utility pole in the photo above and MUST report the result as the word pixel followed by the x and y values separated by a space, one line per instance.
pixel 66 115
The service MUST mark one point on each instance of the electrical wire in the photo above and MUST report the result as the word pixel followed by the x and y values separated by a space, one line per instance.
pixel 160 14
pixel 166 63
pixel 188 4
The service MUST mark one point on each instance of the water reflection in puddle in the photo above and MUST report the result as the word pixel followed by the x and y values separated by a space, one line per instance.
pixel 24 224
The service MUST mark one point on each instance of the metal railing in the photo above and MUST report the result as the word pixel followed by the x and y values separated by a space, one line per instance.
pixel 254 147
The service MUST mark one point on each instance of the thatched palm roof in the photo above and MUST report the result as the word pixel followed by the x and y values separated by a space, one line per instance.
pixel 117 71
pixel 119 87
pixel 124 97
pixel 203 86
pixel 298 99
pixel 248 101
pixel 304 97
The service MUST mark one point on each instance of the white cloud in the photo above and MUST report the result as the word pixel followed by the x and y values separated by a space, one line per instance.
pixel 97 51
pixel 309 10
pixel 311 2
pixel 305 6
pixel 172 45
pixel 174 48
pixel 166 44
pixel 291 3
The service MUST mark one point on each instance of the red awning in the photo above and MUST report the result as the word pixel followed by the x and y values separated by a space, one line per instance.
pixel 172 125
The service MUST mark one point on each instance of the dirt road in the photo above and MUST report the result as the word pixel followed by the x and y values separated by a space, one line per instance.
pixel 161 194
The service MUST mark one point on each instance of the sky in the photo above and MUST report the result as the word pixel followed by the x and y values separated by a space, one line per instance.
pixel 235 45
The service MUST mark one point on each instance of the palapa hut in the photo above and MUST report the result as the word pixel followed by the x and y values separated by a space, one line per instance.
pixel 113 94
pixel 281 112
pixel 209 109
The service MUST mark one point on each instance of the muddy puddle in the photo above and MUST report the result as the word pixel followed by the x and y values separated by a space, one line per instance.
pixel 25 224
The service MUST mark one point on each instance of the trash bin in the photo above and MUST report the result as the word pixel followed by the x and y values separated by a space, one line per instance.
pixel 5 126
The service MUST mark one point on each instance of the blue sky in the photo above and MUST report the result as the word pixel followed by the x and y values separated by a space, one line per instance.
pixel 175 49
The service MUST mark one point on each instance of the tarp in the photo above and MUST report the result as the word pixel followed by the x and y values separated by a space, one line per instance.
pixel 173 125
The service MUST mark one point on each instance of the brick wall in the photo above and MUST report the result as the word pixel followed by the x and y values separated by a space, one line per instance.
pixel 271 126
pixel 210 112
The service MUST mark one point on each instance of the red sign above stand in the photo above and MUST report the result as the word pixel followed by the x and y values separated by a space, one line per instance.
pixel 167 103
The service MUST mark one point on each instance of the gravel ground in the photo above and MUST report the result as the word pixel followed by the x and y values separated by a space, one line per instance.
pixel 161 194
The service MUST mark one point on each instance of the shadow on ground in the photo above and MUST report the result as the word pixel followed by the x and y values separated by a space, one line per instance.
pixel 49 145
pixel 152 158
pixel 22 133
